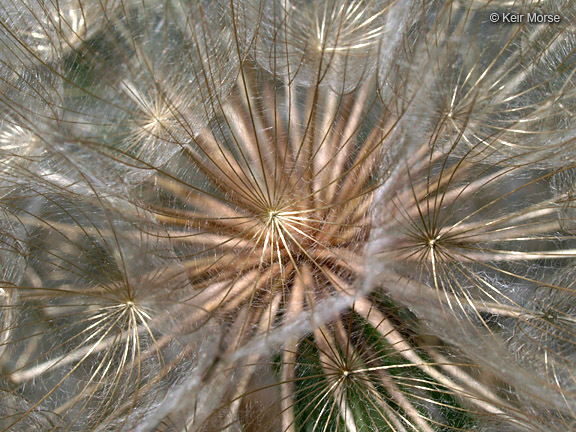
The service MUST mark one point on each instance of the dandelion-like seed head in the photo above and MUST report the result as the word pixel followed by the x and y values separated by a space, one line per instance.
pixel 286 216
pixel 290 208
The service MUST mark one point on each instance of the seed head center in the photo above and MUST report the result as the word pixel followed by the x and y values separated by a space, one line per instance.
pixel 273 215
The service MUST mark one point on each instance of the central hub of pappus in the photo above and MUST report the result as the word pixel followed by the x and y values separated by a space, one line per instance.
pixel 289 232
